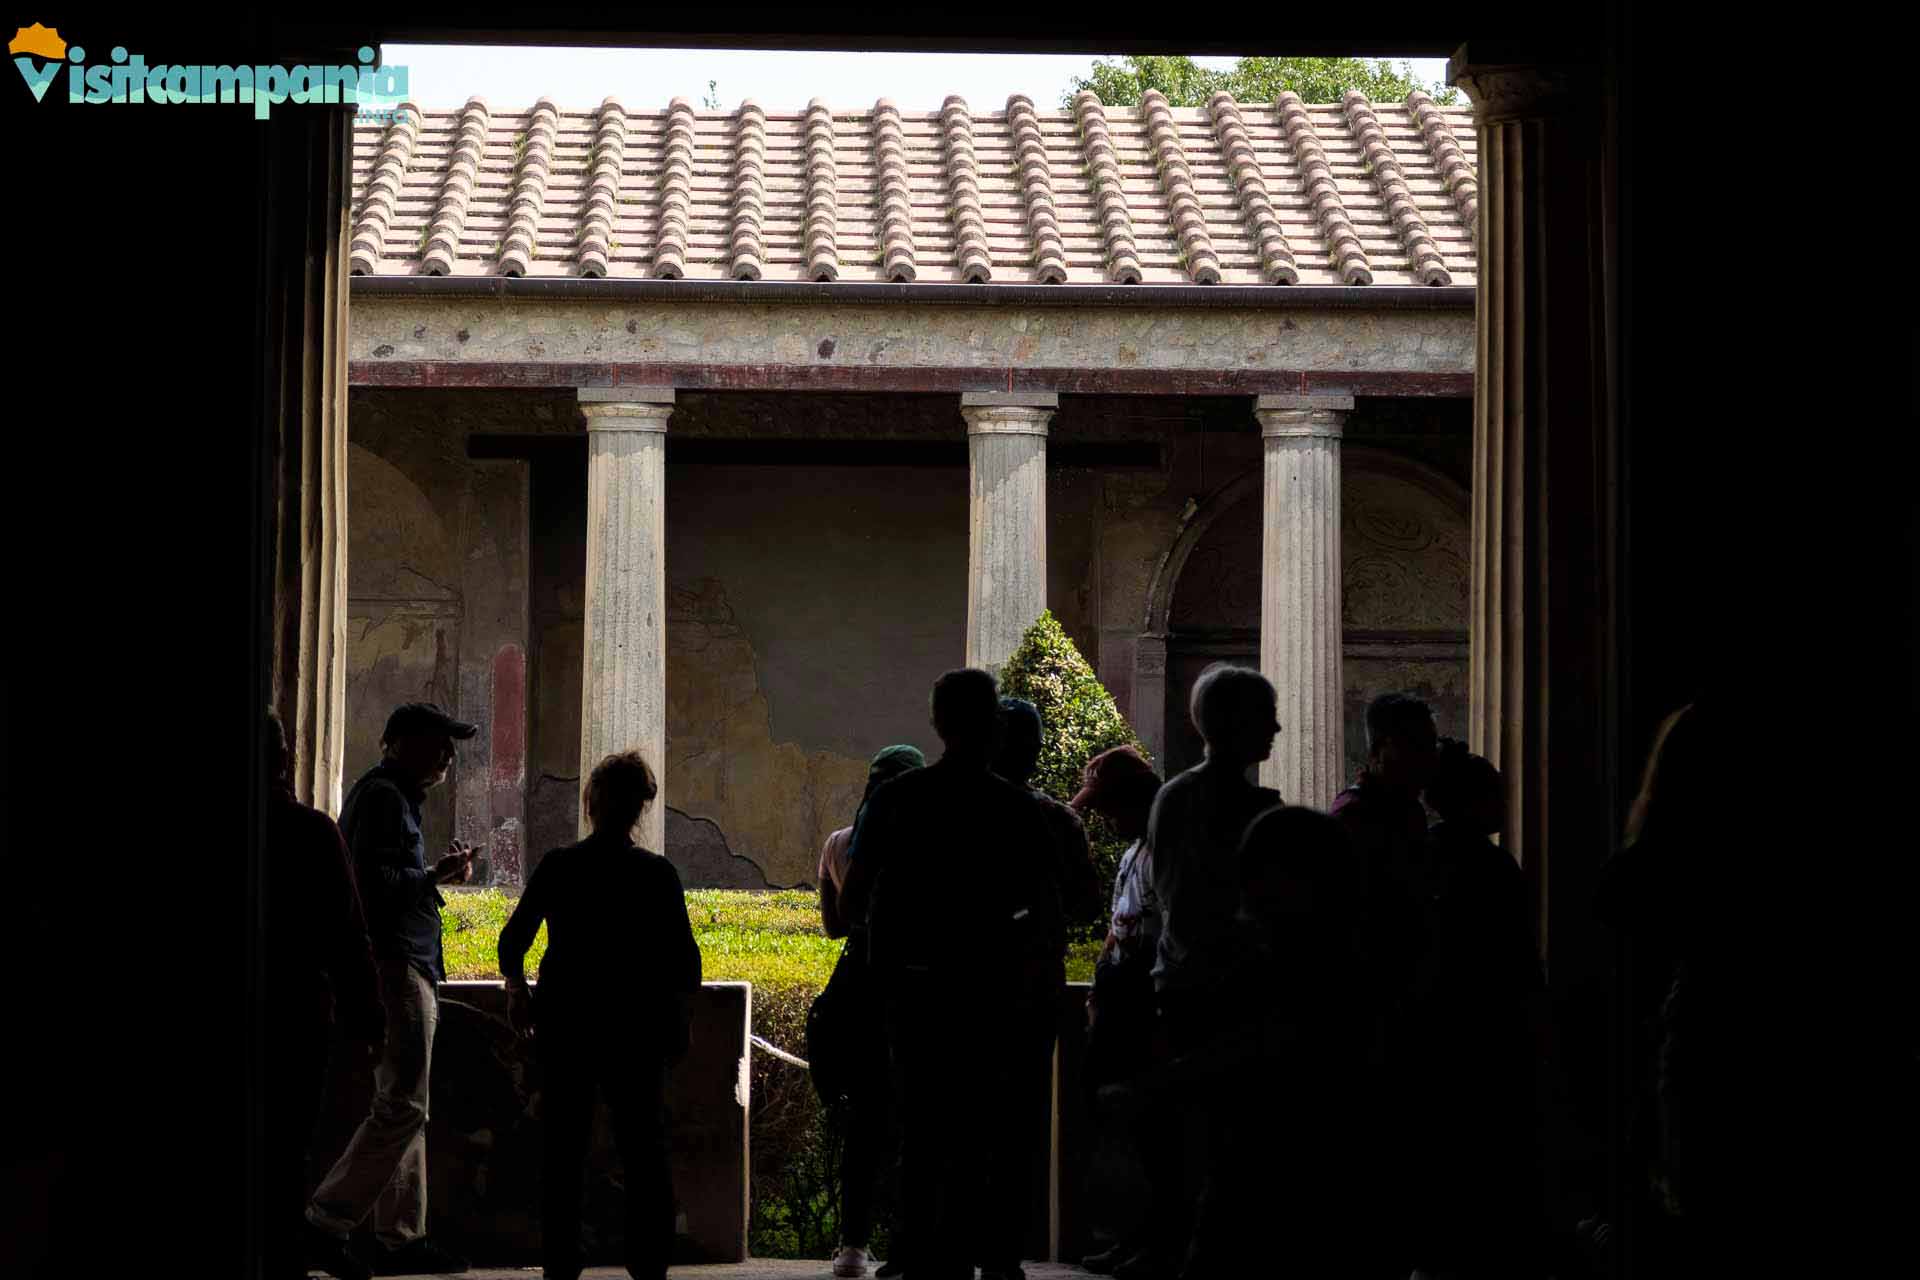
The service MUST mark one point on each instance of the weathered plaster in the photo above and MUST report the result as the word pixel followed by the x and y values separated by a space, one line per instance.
pixel 437 582
pixel 887 336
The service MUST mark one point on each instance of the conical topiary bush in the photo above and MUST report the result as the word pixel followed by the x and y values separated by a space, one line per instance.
pixel 1080 721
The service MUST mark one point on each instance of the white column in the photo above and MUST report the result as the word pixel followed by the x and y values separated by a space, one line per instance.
pixel 1300 633
pixel 623 660
pixel 1006 519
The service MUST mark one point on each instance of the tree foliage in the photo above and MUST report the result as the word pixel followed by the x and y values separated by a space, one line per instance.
pixel 1188 84
pixel 1079 719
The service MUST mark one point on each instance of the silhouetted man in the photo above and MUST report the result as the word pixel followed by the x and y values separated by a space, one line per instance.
pixel 1387 824
pixel 1477 1030
pixel 319 969
pixel 383 1171
pixel 1194 831
pixel 951 866
pixel 1027 1079
pixel 1076 879
pixel 1279 1194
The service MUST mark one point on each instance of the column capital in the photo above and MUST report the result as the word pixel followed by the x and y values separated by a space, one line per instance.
pixel 1321 423
pixel 1505 84
pixel 628 415
pixel 1006 419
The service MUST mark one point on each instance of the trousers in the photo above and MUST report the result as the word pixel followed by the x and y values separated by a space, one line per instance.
pixel 580 1062
pixel 383 1171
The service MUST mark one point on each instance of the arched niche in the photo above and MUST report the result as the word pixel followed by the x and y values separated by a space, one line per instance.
pixel 1404 598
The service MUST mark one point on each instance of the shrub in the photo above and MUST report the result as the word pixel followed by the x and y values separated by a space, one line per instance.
pixel 1080 720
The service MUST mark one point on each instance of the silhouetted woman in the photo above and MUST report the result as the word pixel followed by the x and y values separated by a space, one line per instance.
pixel 1698 1016
pixel 870 1136
pixel 611 1013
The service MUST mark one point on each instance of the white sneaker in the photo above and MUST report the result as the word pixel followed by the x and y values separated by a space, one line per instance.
pixel 850 1261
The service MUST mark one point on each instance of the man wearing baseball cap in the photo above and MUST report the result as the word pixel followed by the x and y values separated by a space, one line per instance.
pixel 383 1171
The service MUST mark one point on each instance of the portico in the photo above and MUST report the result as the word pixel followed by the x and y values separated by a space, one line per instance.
pixel 1146 334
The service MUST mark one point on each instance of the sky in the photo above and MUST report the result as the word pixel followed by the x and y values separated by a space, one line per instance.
pixel 444 76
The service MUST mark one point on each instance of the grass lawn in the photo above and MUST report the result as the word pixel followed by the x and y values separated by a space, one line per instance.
pixel 771 940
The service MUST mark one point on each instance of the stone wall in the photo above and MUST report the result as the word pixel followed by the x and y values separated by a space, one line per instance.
pixel 810 609
pixel 437 611
pixel 816 566
pixel 484 1134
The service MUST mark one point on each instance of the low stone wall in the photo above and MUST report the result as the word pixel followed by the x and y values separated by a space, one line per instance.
pixel 484 1134
pixel 484 1137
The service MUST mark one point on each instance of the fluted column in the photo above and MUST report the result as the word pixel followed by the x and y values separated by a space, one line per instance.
pixel 1544 579
pixel 1006 519
pixel 1300 591
pixel 623 661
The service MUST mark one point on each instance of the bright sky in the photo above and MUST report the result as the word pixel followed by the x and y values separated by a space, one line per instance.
pixel 444 76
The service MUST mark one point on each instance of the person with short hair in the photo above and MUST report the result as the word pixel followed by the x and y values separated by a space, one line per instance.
pixel 950 866
pixel 383 1171
pixel 1194 832
pixel 1283 1188
pixel 1388 826
pixel 1478 1032
pixel 611 1014
pixel 1076 880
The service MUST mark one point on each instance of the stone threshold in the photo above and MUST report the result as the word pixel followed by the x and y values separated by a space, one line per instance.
pixel 752 1269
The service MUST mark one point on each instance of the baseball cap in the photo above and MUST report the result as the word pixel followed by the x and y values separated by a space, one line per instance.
pixel 1114 775
pixel 424 718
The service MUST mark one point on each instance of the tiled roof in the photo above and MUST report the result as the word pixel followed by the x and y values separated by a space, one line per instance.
pixel 1234 193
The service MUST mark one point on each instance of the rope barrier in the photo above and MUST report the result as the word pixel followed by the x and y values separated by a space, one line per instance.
pixel 779 1053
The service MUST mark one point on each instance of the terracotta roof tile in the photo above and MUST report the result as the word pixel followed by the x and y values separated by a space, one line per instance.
pixel 382 191
pixel 534 167
pixel 1452 162
pixel 456 191
pixel 1258 193
pixel 896 193
pixel 963 180
pixel 1035 176
pixel 1176 179
pixel 1384 168
pixel 822 222
pixel 1250 188
pixel 1344 250
pixel 1113 215
pixel 605 162
pixel 746 247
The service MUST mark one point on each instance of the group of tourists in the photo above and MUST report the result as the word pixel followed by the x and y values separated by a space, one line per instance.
pixel 1315 1032
pixel 1317 1036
